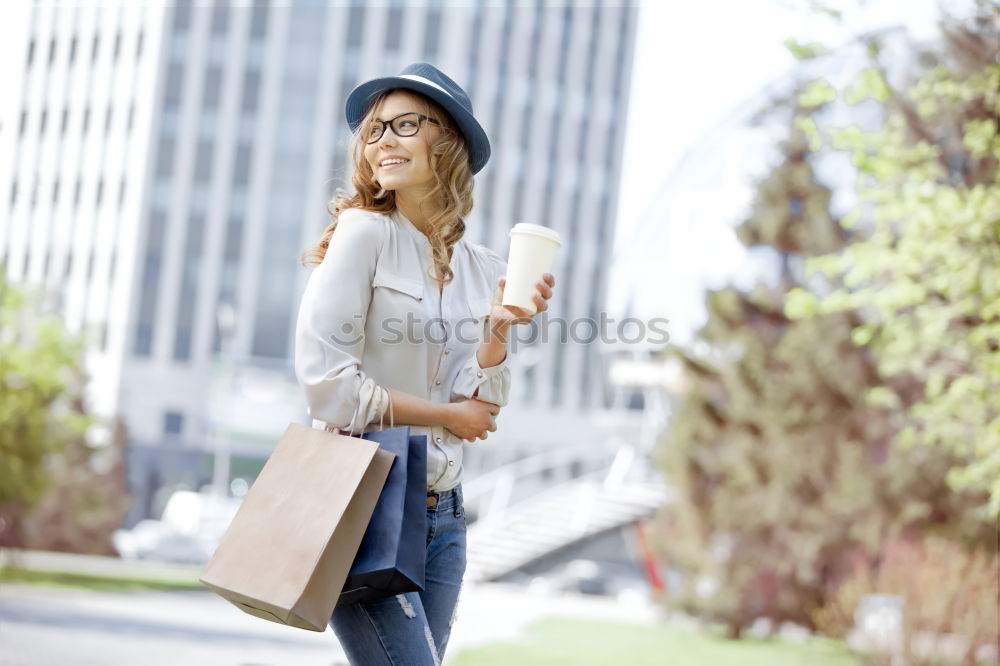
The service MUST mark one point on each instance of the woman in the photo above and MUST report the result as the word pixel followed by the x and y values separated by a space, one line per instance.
pixel 402 310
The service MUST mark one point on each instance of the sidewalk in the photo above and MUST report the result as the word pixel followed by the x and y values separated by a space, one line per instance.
pixel 197 627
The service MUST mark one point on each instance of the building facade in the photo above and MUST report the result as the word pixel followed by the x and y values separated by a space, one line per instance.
pixel 164 168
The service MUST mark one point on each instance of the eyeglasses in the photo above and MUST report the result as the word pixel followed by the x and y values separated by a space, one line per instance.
pixel 406 124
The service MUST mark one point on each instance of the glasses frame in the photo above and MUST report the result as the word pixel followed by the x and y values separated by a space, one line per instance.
pixel 392 123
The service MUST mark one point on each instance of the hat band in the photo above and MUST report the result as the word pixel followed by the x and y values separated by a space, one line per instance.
pixel 420 79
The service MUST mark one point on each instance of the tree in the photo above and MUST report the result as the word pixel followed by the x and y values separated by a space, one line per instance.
pixel 925 268
pixel 50 494
pixel 783 470
pixel 786 470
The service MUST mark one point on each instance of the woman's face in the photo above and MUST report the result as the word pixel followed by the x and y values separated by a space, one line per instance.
pixel 402 163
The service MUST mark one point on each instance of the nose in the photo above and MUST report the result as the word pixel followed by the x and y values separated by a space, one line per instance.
pixel 388 137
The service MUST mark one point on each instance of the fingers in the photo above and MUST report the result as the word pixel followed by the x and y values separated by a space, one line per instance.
pixel 544 287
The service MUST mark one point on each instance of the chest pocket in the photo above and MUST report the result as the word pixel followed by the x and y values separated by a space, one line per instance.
pixel 398 283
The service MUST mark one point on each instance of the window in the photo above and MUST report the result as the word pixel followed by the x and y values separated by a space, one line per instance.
pixel 182 15
pixel 175 74
pixel 220 17
pixel 241 170
pixel 251 83
pixel 165 157
pixel 203 161
pixel 355 22
pixel 258 22
pixel 395 30
pixel 213 85
pixel 173 423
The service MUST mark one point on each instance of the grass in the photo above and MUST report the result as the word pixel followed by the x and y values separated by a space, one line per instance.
pixel 562 642
pixel 94 582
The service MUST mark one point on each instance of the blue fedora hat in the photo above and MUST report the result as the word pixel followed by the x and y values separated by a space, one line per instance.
pixel 429 81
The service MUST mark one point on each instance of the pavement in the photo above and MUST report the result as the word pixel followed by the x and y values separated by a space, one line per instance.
pixel 40 626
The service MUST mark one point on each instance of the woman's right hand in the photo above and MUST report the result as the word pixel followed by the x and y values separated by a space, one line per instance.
pixel 471 419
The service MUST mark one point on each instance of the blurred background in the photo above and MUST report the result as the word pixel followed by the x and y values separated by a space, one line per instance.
pixel 803 195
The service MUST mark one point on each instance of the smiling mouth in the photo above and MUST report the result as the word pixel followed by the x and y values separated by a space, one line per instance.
pixel 389 164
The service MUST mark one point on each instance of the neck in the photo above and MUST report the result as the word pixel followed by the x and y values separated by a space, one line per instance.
pixel 409 205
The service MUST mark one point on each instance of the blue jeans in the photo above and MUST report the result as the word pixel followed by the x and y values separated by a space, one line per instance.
pixel 412 629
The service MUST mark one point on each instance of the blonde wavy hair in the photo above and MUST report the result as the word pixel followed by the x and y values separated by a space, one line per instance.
pixel 450 200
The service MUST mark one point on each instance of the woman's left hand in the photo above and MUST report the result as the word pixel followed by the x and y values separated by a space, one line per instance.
pixel 506 315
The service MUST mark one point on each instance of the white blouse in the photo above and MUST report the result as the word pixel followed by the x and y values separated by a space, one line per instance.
pixel 372 318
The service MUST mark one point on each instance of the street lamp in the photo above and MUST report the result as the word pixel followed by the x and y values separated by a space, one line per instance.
pixel 226 321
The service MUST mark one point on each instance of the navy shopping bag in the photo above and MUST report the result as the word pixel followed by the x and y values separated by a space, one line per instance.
pixel 392 554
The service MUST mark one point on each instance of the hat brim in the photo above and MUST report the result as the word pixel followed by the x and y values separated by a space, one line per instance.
pixel 475 136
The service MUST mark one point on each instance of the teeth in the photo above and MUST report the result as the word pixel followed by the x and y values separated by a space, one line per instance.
pixel 392 161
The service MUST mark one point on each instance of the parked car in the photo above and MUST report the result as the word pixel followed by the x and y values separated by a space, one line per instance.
pixel 188 532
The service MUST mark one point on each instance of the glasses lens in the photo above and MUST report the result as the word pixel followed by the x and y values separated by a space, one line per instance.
pixel 375 131
pixel 406 125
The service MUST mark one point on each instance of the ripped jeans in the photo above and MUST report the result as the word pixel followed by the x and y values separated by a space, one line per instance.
pixel 412 629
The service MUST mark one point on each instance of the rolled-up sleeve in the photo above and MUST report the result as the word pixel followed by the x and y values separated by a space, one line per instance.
pixel 330 328
pixel 492 383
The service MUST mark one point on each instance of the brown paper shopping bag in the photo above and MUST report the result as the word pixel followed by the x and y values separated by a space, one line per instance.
pixel 290 546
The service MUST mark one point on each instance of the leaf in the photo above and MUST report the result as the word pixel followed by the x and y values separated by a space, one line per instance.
pixel 801 51
pixel 817 94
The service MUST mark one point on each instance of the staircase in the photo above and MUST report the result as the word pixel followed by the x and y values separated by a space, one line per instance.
pixel 570 512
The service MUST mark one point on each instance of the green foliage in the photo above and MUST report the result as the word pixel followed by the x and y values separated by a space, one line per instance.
pixel 13 575
pixel 803 51
pixel 564 642
pixel 50 495
pixel 927 271
pixel 39 374
pixel 817 94
pixel 797 442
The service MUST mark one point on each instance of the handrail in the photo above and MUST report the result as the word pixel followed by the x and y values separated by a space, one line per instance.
pixel 550 459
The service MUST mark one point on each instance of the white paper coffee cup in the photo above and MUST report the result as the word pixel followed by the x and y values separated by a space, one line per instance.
pixel 532 254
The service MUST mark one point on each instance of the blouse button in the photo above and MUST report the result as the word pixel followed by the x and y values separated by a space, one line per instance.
pixel 437 382
pixel 479 374
pixel 437 439
pixel 447 351
pixel 451 463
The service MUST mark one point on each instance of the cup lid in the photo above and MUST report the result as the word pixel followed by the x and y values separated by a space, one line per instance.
pixel 536 230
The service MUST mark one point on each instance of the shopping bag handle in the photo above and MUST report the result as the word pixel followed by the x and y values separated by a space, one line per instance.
pixel 381 421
